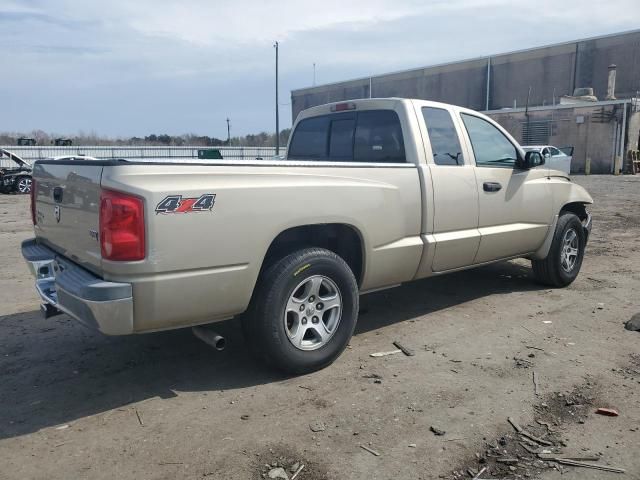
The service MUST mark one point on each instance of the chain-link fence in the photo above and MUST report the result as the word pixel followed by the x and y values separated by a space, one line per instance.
pixel 29 154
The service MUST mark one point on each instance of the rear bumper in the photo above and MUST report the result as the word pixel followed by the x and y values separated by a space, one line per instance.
pixel 106 306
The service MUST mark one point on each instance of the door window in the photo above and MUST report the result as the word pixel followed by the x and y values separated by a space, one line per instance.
pixel 445 144
pixel 554 151
pixel 490 147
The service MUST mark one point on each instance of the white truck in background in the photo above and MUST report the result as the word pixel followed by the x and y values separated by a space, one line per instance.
pixel 373 193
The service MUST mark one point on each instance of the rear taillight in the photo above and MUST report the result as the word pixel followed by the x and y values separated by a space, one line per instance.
pixel 121 226
pixel 32 194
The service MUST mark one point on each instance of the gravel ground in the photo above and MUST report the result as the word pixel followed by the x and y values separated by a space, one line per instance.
pixel 76 404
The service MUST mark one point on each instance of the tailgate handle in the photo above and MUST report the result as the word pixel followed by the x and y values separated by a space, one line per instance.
pixel 491 187
pixel 57 194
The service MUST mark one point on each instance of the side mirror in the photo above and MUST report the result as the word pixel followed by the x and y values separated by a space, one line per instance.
pixel 532 159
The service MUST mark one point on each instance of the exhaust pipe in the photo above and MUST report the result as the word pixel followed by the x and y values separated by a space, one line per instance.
pixel 210 337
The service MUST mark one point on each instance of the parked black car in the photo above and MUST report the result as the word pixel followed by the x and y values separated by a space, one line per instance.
pixel 15 179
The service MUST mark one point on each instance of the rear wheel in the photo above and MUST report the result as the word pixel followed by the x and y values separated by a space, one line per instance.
pixel 23 185
pixel 304 311
pixel 562 265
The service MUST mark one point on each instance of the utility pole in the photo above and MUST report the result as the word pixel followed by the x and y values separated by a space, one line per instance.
pixel 277 114
pixel 228 132
pixel 314 74
pixel 526 114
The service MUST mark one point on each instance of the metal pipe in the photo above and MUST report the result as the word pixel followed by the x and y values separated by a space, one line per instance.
pixel 277 108
pixel 486 107
pixel 622 138
pixel 611 83
pixel 210 337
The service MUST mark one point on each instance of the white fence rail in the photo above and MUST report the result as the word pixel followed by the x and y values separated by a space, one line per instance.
pixel 29 154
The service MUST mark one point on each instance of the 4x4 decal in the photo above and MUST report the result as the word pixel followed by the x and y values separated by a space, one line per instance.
pixel 178 204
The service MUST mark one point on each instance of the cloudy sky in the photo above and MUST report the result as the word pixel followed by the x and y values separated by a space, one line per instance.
pixel 125 67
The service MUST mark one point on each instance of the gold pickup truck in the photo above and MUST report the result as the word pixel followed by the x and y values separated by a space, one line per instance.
pixel 373 193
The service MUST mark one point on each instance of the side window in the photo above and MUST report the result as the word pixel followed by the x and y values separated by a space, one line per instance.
pixel 341 139
pixel 490 147
pixel 309 141
pixel 445 143
pixel 378 137
pixel 554 151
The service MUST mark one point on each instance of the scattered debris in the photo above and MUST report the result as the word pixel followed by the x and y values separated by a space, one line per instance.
pixel 412 445
pixel 292 463
pixel 305 387
pixel 278 473
pixel 578 458
pixel 437 431
pixel 370 450
pixel 547 321
pixel 384 354
pixel 62 427
pixel 297 472
pixel 575 463
pixel 407 351
pixel 536 447
pixel 139 417
pixel 526 434
pixel 372 375
pixel 534 348
pixel 317 427
pixel 609 412
pixel 546 424
pixel 634 323
pixel 244 417
pixel 535 383
pixel 522 363
pixel 477 477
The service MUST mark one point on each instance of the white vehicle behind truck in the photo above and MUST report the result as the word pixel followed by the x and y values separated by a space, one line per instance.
pixel 373 193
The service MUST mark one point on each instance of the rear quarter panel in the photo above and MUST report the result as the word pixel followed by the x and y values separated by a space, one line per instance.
pixel 202 266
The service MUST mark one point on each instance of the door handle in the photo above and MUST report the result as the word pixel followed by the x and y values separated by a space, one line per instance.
pixel 491 186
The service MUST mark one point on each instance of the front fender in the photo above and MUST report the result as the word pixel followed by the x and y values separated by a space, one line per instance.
pixel 565 193
pixel 574 194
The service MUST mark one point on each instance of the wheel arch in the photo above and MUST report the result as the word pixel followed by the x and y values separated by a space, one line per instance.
pixel 577 208
pixel 343 239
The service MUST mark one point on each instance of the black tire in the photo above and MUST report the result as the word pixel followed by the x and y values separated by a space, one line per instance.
pixel 265 327
pixel 550 271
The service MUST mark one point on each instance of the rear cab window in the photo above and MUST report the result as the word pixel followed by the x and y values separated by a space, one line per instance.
pixel 368 136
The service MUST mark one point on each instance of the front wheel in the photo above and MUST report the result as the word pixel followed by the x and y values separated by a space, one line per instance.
pixel 562 265
pixel 304 311
pixel 23 185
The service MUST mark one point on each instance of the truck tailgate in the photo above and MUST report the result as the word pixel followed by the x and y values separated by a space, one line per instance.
pixel 67 203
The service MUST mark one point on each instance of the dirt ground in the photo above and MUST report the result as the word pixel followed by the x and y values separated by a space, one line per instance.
pixel 75 404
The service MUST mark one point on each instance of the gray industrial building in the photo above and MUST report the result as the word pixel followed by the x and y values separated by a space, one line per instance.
pixel 499 81
pixel 547 74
